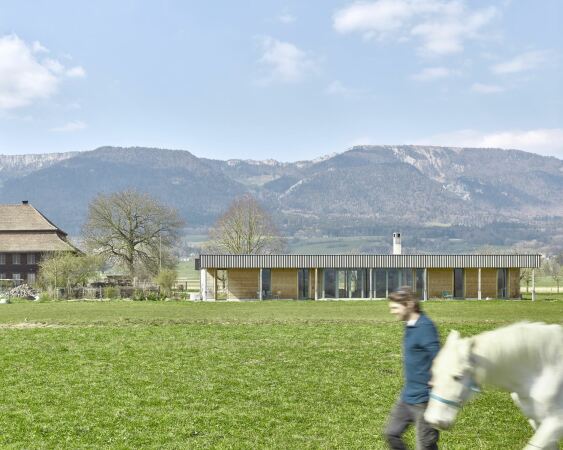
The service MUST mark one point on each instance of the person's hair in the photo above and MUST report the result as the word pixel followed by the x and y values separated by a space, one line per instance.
pixel 404 295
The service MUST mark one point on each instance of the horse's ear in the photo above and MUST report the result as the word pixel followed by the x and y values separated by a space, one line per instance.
pixel 453 336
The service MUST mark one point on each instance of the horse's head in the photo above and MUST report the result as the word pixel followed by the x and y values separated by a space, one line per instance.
pixel 452 381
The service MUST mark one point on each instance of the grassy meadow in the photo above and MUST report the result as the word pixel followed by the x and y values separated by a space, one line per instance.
pixel 273 374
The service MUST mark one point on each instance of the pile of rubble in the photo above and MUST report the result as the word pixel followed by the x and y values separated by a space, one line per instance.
pixel 23 291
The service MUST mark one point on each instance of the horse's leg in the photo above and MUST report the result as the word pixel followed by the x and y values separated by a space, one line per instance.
pixel 548 434
pixel 525 407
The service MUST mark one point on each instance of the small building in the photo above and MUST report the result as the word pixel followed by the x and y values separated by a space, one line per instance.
pixel 26 236
pixel 368 276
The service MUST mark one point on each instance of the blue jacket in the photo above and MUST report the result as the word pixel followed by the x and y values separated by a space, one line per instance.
pixel 420 346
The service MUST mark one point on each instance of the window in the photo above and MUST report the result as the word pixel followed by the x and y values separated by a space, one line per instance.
pixel 502 283
pixel 420 283
pixel 16 258
pixel 266 283
pixel 458 283
pixel 303 283
pixel 380 283
pixel 31 258
pixel 30 278
pixel 2 258
pixel 2 276
pixel 392 280
pixel 16 276
pixel 329 283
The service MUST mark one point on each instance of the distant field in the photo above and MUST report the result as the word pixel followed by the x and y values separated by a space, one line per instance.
pixel 188 274
pixel 274 374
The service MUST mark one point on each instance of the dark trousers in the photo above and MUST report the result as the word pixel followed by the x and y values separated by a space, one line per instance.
pixel 404 415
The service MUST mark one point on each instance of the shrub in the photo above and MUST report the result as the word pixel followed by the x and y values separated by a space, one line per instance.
pixel 111 292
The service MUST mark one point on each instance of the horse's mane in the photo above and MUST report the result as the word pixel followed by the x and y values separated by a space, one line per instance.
pixel 530 340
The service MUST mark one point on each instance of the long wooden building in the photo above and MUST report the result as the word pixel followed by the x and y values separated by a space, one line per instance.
pixel 238 277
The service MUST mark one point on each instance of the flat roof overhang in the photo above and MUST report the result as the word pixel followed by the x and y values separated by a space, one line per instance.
pixel 213 261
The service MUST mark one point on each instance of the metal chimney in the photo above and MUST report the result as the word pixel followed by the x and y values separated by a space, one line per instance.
pixel 396 243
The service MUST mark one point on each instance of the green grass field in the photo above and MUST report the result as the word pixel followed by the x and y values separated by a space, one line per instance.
pixel 275 374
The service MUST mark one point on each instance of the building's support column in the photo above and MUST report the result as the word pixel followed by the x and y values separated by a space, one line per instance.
pixel 371 283
pixel 316 283
pixel 425 285
pixel 533 285
pixel 261 293
pixel 479 296
pixel 387 283
pixel 203 284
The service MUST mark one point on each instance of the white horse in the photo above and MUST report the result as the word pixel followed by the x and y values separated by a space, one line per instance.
pixel 525 359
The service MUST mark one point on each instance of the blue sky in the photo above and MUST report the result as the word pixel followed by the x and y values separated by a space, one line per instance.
pixel 288 80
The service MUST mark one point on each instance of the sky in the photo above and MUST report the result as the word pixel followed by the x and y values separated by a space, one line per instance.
pixel 288 80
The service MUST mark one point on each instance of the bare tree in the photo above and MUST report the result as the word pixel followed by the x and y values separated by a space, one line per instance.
pixel 245 229
pixel 553 269
pixel 526 277
pixel 133 230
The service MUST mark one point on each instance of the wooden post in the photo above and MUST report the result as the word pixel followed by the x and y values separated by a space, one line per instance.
pixel 533 285
pixel 479 296
pixel 260 296
pixel 316 283
pixel 204 284
pixel 371 283
pixel 425 288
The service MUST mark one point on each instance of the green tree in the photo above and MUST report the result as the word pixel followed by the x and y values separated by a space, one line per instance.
pixel 166 279
pixel 68 270
pixel 133 230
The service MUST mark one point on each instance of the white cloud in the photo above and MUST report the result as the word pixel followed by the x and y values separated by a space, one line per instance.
pixel 24 77
pixel 74 125
pixel 336 88
pixel 441 27
pixel 545 141
pixel 525 61
pixel 433 73
pixel 487 88
pixel 286 18
pixel 36 47
pixel 285 62
pixel 76 72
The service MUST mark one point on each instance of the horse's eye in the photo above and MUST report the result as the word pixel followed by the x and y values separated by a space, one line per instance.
pixel 457 377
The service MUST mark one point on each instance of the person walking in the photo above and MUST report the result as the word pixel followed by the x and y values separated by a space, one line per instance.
pixel 420 346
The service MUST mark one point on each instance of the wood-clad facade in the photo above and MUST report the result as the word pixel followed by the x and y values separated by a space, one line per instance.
pixel 240 277
pixel 26 236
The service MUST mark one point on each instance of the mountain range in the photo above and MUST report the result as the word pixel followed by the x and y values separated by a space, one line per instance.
pixel 353 193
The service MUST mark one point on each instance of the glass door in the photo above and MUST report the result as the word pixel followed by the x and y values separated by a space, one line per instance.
pixel 458 283
pixel 303 284
pixel 502 282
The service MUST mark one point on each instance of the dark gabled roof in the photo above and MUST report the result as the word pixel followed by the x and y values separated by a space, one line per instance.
pixel 24 217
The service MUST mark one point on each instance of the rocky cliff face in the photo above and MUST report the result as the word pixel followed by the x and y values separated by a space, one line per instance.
pixel 13 166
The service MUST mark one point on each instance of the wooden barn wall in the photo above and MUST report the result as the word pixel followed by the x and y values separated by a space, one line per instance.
pixel 471 283
pixel 284 283
pixel 440 280
pixel 489 280
pixel 243 283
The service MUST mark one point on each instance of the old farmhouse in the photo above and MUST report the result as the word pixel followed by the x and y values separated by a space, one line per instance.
pixel 26 236
pixel 237 277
